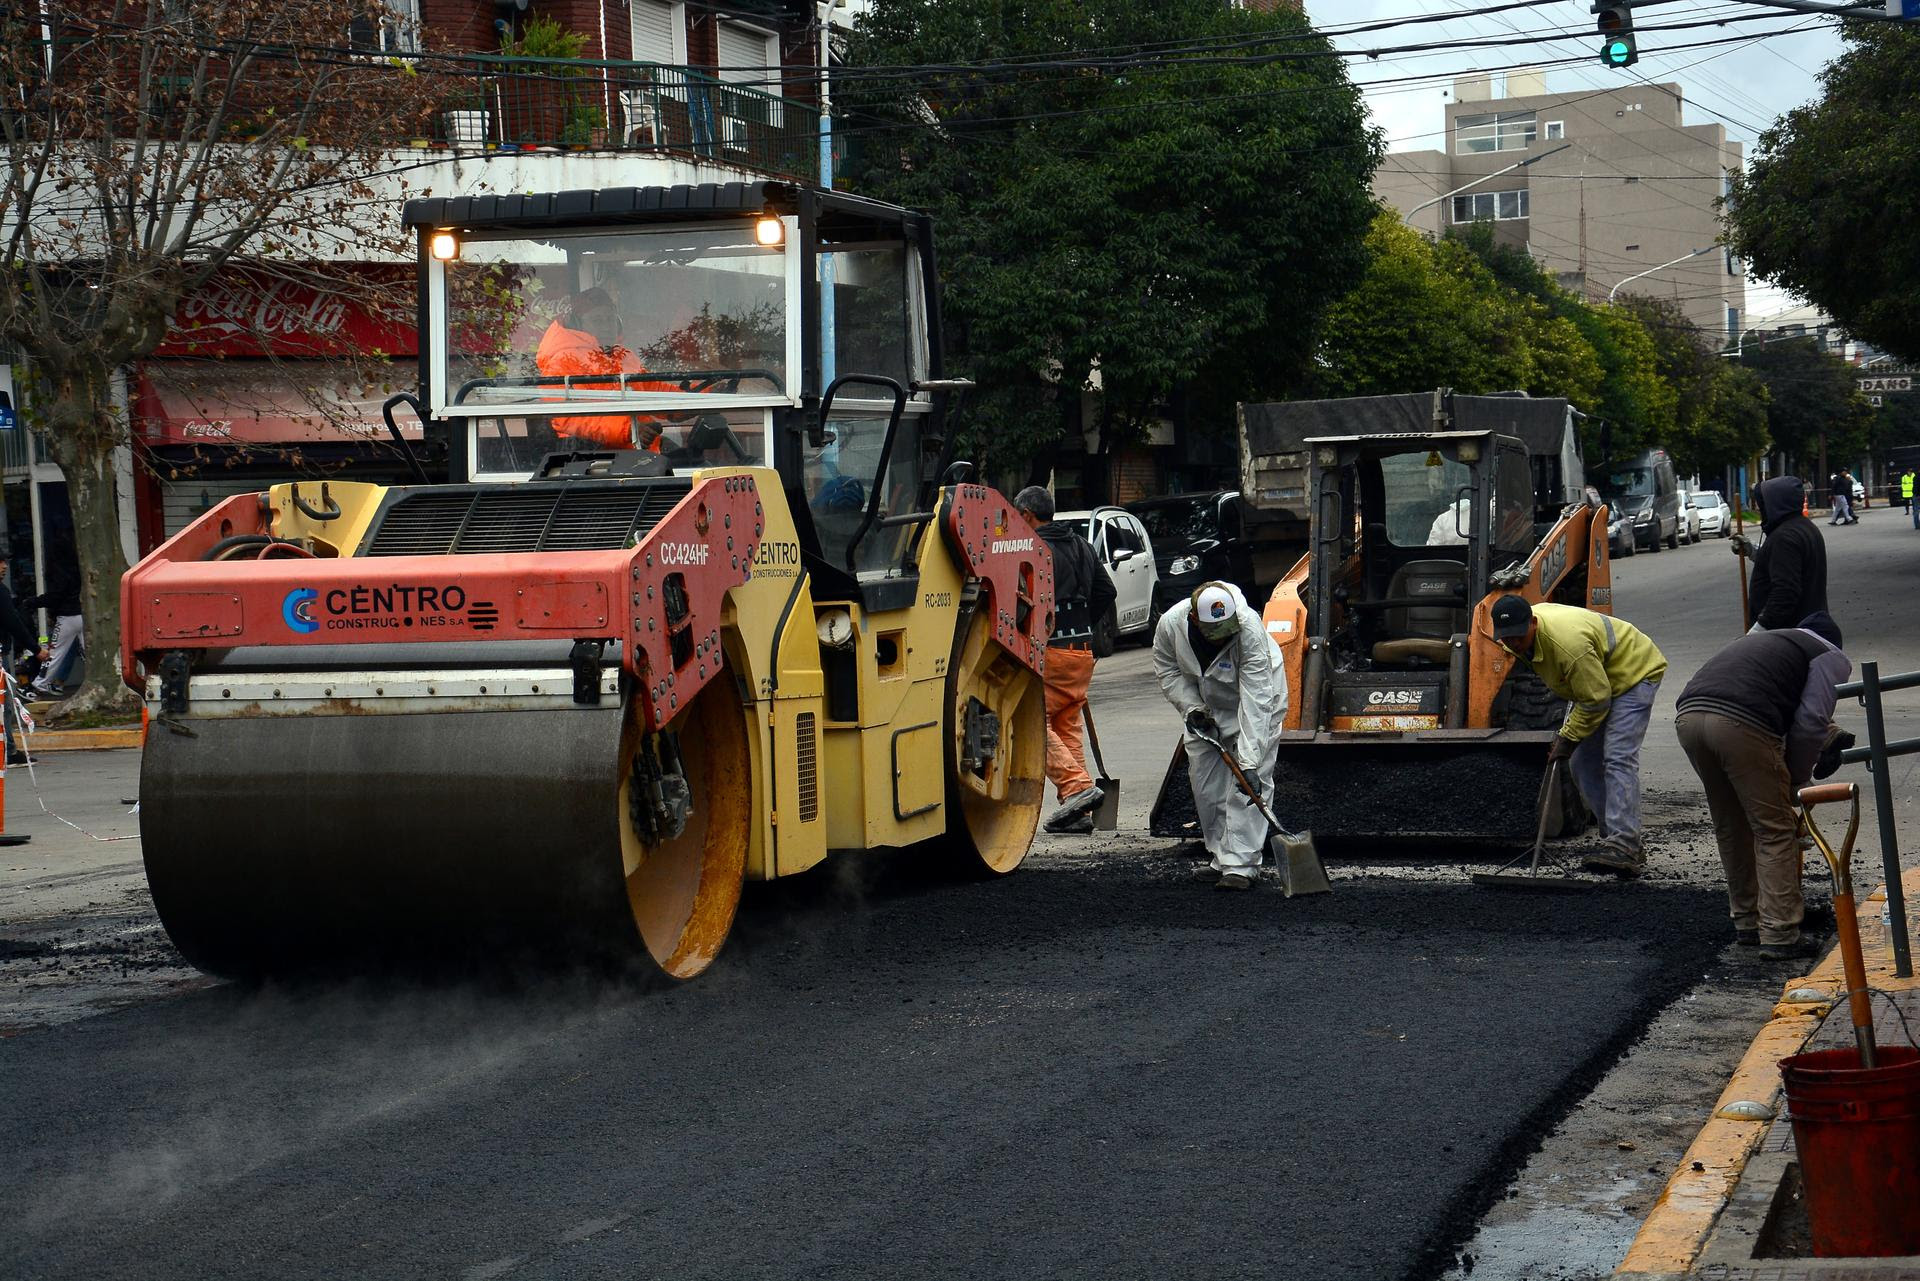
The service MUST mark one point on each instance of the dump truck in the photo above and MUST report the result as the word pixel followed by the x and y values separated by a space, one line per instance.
pixel 1404 717
pixel 699 595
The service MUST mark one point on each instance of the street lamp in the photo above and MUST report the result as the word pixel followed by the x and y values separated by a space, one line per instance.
pixel 1662 267
pixel 1485 177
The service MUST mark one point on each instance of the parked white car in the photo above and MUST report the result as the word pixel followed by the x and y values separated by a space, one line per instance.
pixel 1122 544
pixel 1688 528
pixel 1716 517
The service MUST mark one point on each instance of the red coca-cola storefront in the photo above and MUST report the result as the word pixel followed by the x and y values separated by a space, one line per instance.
pixel 263 381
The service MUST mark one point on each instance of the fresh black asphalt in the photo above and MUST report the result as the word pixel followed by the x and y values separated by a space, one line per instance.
pixel 1070 1073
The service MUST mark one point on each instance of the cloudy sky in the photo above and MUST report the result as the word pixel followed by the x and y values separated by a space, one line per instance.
pixel 1743 86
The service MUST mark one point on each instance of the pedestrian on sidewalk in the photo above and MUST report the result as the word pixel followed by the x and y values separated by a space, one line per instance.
pixel 1838 490
pixel 1609 671
pixel 1223 674
pixel 17 644
pixel 62 600
pixel 1082 592
pixel 1753 721
pixel 1789 577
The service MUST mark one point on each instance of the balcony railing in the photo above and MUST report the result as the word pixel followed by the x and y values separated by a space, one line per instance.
pixel 590 105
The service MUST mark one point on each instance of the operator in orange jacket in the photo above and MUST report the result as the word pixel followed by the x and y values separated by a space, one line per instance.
pixel 584 339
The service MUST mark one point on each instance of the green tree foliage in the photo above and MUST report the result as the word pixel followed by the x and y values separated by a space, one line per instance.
pixel 1830 203
pixel 1178 226
pixel 1811 394
pixel 1720 409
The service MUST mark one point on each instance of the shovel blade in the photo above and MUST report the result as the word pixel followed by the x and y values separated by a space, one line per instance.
pixel 1299 864
pixel 1106 815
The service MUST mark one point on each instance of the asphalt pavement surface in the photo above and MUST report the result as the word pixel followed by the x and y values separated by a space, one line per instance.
pixel 1091 1068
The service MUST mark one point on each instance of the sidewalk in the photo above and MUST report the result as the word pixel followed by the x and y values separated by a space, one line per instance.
pixel 1732 1211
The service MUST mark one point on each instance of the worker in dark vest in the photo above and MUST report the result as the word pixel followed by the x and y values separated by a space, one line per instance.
pixel 1082 591
pixel 1754 720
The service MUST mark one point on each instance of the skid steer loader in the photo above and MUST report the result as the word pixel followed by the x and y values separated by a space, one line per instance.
pixel 572 693
pixel 1404 717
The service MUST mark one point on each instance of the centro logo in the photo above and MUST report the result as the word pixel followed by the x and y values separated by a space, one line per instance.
pixel 683 553
pixel 1001 545
pixel 297 609
pixel 1394 697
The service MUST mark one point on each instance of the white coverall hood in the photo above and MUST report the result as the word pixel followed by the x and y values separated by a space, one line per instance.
pixel 1244 688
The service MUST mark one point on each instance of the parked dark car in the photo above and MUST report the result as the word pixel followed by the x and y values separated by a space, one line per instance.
pixel 1197 538
pixel 1644 487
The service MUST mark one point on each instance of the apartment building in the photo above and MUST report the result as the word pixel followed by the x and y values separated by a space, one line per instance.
pixel 1617 192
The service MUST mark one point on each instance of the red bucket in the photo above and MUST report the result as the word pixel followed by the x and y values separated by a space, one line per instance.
pixel 1858 1133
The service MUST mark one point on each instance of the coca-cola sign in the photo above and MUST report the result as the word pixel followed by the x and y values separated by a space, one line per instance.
pixel 243 313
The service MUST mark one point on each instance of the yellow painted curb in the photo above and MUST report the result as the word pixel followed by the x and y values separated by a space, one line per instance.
pixel 1676 1230
pixel 82 740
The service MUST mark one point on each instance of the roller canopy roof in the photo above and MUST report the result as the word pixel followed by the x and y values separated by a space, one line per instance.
pixel 616 206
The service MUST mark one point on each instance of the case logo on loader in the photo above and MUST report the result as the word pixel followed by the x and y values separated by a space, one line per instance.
pixel 297 609
pixel 1394 698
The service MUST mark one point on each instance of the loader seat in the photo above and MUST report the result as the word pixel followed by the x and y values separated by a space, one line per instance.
pixel 1423 631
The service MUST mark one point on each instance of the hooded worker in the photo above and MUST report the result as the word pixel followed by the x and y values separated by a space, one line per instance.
pixel 584 340
pixel 1221 671
pixel 1789 578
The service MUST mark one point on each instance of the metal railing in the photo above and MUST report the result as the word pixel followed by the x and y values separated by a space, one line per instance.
pixel 543 104
pixel 1876 754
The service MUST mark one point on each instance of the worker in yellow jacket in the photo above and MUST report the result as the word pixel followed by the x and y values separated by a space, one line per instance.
pixel 1609 671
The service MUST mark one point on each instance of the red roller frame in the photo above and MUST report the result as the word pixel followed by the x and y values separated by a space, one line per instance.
pixel 999 547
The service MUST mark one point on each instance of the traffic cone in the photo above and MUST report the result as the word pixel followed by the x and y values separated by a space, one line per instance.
pixel 6 837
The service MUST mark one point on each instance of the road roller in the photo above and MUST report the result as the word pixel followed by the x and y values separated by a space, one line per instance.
pixel 686 588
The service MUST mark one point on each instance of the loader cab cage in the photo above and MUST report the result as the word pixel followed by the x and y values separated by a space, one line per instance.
pixel 1407 532
pixel 739 324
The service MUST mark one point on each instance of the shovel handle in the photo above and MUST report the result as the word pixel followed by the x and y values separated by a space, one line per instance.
pixel 1240 777
pixel 1093 738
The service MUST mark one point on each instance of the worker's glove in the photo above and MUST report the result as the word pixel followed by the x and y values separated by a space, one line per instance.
pixel 1562 748
pixel 1838 741
pixel 1200 721
pixel 1740 545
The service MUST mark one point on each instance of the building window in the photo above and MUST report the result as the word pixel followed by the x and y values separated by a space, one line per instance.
pixel 1511 131
pixel 1502 205
pixel 1556 130
pixel 1734 266
pixel 1733 322
pixel 1633 249
pixel 659 31
pixel 398 31
pixel 750 57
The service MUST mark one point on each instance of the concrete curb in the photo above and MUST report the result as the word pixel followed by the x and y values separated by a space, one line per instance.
pixel 1677 1229
pixel 82 740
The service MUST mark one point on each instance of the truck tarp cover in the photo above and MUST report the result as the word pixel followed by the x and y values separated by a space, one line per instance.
pixel 1280 427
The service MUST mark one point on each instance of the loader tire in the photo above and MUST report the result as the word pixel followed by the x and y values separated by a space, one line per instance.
pixel 1530 704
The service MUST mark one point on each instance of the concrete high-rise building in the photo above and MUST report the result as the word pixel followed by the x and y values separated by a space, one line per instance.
pixel 1633 189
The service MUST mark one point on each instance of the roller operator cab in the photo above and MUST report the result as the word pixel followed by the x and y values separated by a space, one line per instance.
pixel 691 591
pixel 1404 717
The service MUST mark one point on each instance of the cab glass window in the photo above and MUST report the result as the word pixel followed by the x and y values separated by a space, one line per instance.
pixel 591 319
pixel 1427 499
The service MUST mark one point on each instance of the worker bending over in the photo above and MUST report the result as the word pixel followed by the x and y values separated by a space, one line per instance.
pixel 1754 721
pixel 1223 674
pixel 1609 671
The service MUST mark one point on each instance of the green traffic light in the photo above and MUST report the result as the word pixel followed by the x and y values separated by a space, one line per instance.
pixel 1618 52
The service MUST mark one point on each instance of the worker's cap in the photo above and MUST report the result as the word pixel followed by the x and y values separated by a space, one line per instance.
pixel 1215 611
pixel 1511 616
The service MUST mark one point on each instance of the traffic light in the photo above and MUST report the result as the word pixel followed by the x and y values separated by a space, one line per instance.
pixel 1616 35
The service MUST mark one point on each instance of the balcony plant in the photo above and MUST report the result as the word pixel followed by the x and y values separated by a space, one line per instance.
pixel 548 101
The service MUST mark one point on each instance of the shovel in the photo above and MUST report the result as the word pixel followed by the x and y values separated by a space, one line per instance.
pixel 1293 854
pixel 1106 815
pixel 1846 919
pixel 1502 879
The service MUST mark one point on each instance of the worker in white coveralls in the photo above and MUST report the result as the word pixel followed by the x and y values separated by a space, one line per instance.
pixel 1223 674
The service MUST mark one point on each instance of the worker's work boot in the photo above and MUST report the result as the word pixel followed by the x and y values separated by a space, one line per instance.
pixel 1082 826
pixel 1206 874
pixel 1233 881
pixel 1081 802
pixel 1801 949
pixel 1617 857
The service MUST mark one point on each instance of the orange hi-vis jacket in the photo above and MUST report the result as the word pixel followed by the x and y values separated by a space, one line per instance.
pixel 568 352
